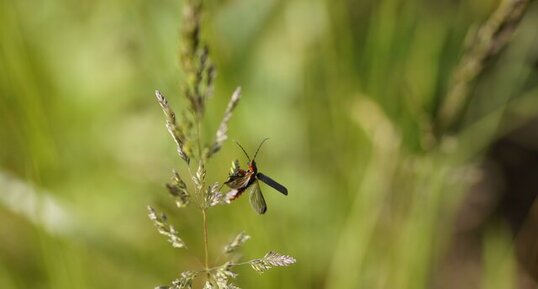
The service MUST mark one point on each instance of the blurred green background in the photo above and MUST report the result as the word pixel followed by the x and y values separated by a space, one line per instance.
pixel 346 90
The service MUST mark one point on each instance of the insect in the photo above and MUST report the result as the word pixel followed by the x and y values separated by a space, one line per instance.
pixel 240 180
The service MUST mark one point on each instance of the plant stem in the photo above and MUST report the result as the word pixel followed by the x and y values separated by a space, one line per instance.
pixel 231 265
pixel 487 42
pixel 204 216
pixel 199 139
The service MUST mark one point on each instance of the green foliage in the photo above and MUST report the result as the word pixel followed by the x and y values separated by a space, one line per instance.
pixel 178 190
pixel 271 259
pixel 161 222
pixel 349 91
pixel 236 243
pixel 198 87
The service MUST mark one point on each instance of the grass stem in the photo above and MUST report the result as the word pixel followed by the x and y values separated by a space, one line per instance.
pixel 204 216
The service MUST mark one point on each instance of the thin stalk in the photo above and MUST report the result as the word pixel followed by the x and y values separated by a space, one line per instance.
pixel 199 140
pixel 204 216
pixel 211 269
pixel 208 270
pixel 487 42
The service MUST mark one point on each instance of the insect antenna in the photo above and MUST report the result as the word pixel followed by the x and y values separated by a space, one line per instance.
pixel 243 150
pixel 259 147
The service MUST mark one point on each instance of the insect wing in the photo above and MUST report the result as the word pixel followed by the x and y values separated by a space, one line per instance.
pixel 272 183
pixel 239 182
pixel 238 179
pixel 256 199
pixel 233 194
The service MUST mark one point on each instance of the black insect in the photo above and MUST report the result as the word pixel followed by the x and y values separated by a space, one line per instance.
pixel 240 180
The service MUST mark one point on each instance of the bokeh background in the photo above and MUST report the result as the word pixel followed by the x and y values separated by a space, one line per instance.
pixel 348 91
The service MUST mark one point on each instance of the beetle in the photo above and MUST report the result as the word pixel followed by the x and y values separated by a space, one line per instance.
pixel 240 180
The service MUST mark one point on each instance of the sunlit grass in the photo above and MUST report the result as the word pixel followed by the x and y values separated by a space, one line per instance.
pixel 346 91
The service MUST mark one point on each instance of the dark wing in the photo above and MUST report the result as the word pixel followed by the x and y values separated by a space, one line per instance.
pixel 256 199
pixel 272 183
pixel 238 179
